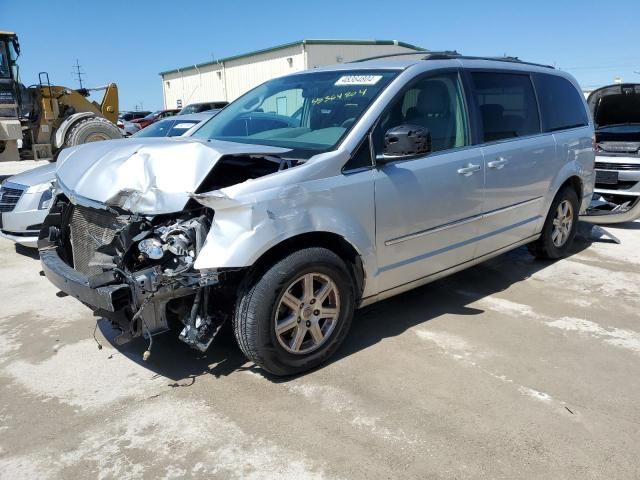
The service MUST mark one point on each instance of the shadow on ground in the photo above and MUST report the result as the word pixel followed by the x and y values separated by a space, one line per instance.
pixel 27 252
pixel 175 360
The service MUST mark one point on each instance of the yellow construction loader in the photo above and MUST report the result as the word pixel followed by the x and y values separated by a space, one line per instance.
pixel 40 120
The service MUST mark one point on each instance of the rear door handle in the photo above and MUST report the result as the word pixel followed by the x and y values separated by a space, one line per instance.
pixel 497 164
pixel 469 169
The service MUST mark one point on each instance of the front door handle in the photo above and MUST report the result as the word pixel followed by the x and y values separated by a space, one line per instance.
pixel 469 169
pixel 497 164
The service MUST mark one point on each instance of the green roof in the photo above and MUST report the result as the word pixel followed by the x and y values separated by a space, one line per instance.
pixel 293 44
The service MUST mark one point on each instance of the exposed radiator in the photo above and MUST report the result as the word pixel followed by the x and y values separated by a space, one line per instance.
pixel 91 229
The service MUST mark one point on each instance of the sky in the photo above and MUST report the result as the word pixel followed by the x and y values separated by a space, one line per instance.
pixel 130 42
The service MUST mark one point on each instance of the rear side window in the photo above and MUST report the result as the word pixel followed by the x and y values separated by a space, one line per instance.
pixel 507 105
pixel 561 104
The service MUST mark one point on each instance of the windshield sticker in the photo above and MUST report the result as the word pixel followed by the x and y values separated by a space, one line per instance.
pixel 358 80
pixel 339 96
pixel 184 125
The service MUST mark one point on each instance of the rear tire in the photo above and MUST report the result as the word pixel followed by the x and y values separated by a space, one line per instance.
pixel 290 334
pixel 91 129
pixel 559 228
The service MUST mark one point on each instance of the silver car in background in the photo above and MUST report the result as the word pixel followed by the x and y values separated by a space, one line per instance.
pixel 176 126
pixel 318 193
pixel 616 115
pixel 24 202
pixel 25 198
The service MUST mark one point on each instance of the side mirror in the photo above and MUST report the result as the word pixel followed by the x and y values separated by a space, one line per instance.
pixel 405 142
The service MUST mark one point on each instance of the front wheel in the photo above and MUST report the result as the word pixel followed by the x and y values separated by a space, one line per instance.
pixel 559 227
pixel 296 315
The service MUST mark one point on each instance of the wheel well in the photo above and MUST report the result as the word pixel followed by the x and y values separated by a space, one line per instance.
pixel 575 183
pixel 331 241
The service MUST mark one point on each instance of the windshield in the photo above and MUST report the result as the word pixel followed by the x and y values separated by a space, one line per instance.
pixel 309 113
pixel 193 108
pixel 5 68
pixel 166 128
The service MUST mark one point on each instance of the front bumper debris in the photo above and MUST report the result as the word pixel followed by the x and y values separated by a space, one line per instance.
pixel 100 258
pixel 111 298
pixel 603 212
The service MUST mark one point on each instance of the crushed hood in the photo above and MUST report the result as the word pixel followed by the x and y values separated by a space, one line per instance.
pixel 149 176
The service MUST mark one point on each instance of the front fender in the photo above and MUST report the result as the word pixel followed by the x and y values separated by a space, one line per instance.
pixel 244 229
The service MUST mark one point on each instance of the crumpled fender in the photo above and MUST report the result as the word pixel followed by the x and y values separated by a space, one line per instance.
pixel 249 220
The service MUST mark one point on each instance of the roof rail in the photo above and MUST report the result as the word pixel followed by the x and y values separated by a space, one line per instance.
pixel 451 54
pixel 425 55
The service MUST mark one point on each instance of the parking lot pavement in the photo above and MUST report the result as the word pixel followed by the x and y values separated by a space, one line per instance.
pixel 512 369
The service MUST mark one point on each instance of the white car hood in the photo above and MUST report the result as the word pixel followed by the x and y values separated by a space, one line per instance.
pixel 149 176
pixel 35 176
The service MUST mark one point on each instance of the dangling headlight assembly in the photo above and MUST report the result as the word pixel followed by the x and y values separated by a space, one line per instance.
pixel 152 248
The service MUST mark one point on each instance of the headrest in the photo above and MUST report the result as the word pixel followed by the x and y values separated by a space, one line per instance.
pixel 433 98
pixel 491 113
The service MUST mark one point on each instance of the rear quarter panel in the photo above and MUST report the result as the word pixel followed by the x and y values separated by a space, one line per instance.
pixel 574 151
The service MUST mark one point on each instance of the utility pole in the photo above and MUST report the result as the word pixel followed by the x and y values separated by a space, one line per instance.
pixel 78 73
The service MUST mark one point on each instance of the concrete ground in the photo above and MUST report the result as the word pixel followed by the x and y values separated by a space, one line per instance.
pixel 512 369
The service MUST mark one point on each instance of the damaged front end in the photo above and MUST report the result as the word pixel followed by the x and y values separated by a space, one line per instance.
pixel 135 270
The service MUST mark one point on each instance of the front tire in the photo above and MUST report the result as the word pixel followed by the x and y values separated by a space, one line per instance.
pixel 559 228
pixel 296 315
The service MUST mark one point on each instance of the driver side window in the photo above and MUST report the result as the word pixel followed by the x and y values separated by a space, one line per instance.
pixel 436 103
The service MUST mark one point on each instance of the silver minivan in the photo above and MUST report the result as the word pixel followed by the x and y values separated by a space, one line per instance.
pixel 317 193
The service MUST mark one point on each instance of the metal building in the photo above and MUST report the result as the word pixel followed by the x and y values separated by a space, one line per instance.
pixel 228 78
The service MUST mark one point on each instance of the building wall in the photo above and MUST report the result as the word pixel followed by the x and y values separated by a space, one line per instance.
pixel 191 86
pixel 228 80
pixel 245 73
pixel 321 55
pixel 232 78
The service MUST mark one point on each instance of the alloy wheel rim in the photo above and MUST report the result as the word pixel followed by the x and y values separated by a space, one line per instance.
pixel 562 223
pixel 307 313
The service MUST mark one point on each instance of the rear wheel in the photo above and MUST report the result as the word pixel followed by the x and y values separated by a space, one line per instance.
pixel 91 129
pixel 559 228
pixel 297 314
